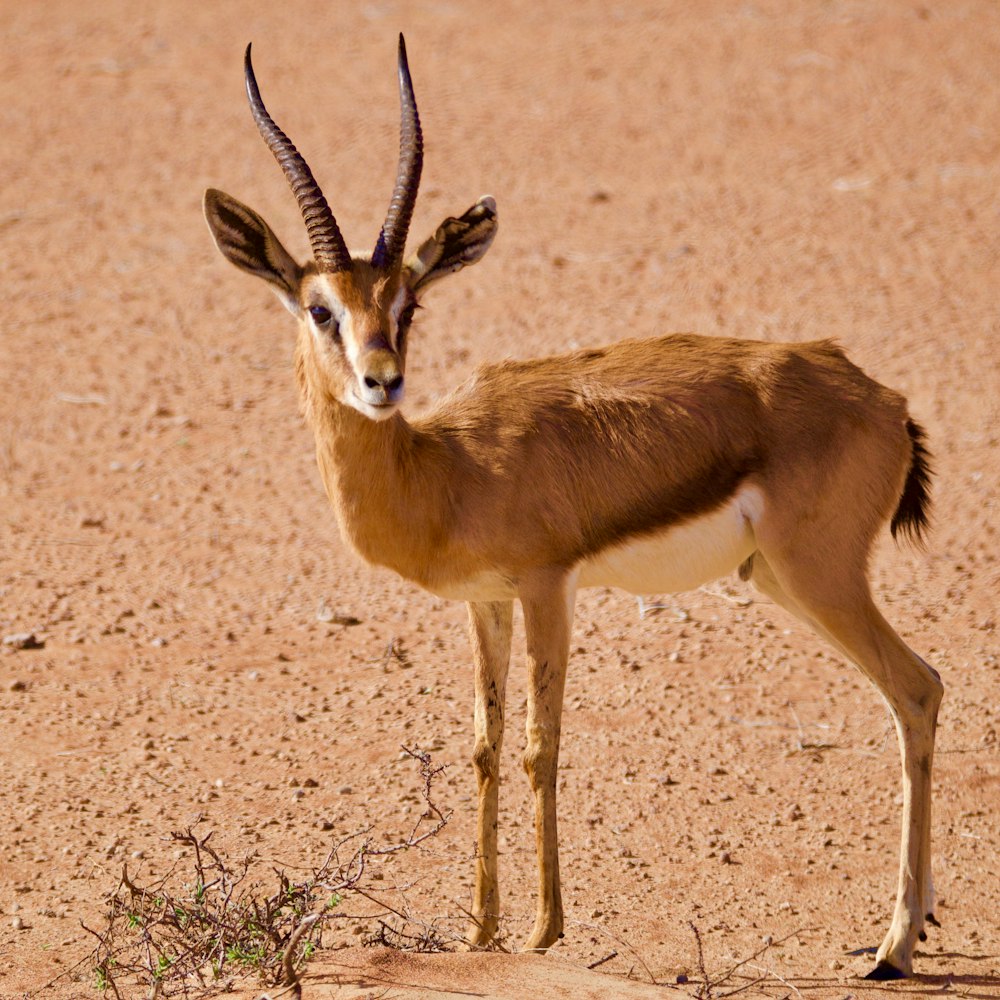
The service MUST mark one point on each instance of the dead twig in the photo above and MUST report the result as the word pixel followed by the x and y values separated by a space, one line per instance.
pixel 184 932
pixel 607 958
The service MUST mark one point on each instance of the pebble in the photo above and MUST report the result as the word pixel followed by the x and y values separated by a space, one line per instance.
pixel 23 640
pixel 17 923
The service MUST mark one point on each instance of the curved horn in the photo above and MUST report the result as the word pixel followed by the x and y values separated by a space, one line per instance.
pixel 328 245
pixel 392 238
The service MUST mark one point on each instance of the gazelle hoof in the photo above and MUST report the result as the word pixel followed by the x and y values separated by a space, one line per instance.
pixel 885 971
pixel 931 919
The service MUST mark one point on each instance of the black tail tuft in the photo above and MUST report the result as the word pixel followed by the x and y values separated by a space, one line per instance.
pixel 911 515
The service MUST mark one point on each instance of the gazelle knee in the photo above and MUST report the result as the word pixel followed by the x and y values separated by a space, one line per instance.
pixel 924 696
pixel 541 758
pixel 935 685
pixel 485 760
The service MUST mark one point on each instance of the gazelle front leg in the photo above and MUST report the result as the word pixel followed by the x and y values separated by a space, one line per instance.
pixel 489 632
pixel 547 600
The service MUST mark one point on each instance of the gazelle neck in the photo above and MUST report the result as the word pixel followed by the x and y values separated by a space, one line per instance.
pixel 362 463
pixel 361 458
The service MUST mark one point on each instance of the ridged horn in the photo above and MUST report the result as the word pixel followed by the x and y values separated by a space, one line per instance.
pixel 392 238
pixel 328 245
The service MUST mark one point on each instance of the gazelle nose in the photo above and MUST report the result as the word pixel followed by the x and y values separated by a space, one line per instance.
pixel 390 385
pixel 382 386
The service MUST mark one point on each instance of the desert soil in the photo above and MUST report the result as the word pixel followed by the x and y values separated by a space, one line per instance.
pixel 770 170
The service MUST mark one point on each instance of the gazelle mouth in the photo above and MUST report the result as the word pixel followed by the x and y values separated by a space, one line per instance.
pixel 377 411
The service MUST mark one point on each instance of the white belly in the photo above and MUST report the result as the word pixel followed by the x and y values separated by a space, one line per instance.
pixel 680 558
pixel 664 562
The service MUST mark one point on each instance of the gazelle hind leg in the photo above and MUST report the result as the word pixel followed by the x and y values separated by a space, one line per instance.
pixel 840 609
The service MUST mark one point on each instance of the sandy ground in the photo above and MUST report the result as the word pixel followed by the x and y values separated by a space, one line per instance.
pixel 769 169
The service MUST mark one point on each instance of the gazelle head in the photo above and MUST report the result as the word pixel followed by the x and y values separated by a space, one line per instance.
pixel 354 311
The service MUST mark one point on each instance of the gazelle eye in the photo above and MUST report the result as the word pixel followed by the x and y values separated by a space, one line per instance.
pixel 320 315
pixel 406 316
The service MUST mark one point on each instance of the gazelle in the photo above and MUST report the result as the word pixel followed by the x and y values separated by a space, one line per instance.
pixel 653 465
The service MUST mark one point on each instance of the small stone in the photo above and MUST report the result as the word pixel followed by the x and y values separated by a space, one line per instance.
pixel 345 790
pixel 328 616
pixel 17 923
pixel 23 640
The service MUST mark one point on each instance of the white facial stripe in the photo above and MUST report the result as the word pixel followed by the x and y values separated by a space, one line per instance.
pixel 350 341
pixel 395 308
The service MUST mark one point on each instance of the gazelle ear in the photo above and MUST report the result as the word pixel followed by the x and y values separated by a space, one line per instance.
pixel 247 241
pixel 456 243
